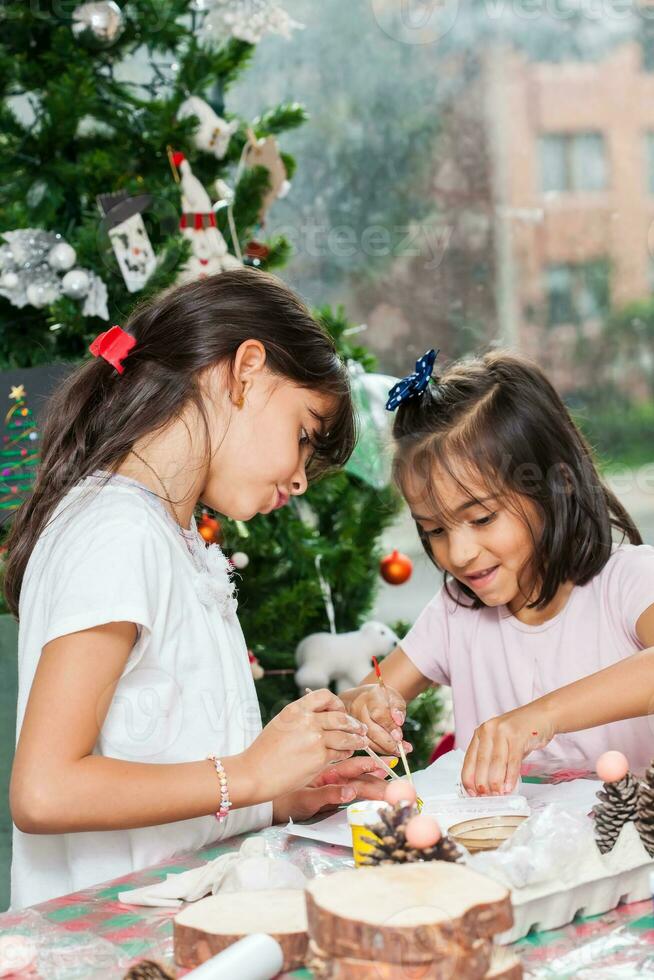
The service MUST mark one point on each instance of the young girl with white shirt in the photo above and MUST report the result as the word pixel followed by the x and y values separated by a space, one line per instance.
pixel 138 721
pixel 544 626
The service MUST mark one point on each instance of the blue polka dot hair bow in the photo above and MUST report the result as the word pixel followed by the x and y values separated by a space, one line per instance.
pixel 414 384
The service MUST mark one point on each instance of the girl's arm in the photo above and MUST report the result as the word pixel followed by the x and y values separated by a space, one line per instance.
pixel 384 712
pixel 623 690
pixel 58 786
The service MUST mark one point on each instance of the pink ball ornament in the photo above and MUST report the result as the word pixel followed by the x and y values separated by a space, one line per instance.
pixel 422 831
pixel 400 791
pixel 612 766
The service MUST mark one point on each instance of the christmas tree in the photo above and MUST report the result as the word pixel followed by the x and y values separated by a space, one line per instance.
pixel 18 453
pixel 126 180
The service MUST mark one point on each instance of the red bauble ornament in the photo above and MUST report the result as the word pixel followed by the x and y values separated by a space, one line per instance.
pixel 257 250
pixel 396 568
pixel 210 529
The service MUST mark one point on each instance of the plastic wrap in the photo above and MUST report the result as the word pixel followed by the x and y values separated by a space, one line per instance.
pixel 622 953
pixel 545 848
pixel 60 953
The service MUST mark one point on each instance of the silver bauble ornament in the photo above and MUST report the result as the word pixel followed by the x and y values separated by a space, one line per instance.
pixel 6 258
pixel 99 24
pixel 62 257
pixel 240 560
pixel 75 283
pixel 9 280
pixel 40 294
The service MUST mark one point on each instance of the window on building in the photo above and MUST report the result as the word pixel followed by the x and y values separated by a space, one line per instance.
pixel 649 155
pixel 573 162
pixel 577 292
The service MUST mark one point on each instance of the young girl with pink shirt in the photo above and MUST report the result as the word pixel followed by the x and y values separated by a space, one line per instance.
pixel 544 625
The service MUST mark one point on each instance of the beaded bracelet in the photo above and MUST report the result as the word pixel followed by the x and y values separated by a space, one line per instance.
pixel 225 802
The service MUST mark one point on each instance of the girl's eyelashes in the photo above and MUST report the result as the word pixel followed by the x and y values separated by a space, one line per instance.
pixel 483 521
pixel 306 439
pixel 437 532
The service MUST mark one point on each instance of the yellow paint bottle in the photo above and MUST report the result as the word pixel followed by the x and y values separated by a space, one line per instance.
pixel 360 816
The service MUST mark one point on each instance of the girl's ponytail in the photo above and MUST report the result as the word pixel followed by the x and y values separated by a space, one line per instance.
pixel 97 414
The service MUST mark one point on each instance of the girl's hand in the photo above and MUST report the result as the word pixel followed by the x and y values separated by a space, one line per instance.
pixel 383 710
pixel 342 782
pixel 300 741
pixel 494 756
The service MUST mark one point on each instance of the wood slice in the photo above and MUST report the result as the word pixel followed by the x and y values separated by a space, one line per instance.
pixel 504 965
pixel 405 913
pixel 209 926
pixel 462 964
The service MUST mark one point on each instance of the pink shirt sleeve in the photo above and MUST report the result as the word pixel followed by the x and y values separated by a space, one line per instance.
pixel 427 642
pixel 630 586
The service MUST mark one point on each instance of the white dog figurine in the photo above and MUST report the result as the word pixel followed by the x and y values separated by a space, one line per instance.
pixel 342 657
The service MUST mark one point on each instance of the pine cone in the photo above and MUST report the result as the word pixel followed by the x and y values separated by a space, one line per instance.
pixel 148 970
pixel 392 847
pixel 645 811
pixel 617 806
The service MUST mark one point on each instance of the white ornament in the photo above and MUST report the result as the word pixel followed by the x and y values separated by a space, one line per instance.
pixel 265 153
pixel 122 218
pixel 98 24
pixel 62 257
pixel 76 283
pixel 240 560
pixel 41 294
pixel 210 254
pixel 223 191
pixel 95 303
pixel 247 20
pixel 214 133
pixel 342 657
pixel 133 250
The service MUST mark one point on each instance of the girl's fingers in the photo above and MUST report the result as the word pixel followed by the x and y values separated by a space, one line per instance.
pixel 379 738
pixel 352 768
pixel 469 766
pixel 381 715
pixel 368 788
pixel 498 764
pixel 339 721
pixel 344 742
pixel 323 700
pixel 513 768
pixel 482 764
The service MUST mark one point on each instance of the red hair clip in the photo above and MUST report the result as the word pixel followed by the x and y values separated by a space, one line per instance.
pixel 114 345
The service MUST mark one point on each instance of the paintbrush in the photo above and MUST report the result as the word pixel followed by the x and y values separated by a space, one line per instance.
pixel 400 747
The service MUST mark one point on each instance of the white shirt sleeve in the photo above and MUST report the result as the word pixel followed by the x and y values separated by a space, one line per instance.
pixel 103 574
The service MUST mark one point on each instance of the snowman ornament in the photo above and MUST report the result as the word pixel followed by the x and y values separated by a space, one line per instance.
pixel 209 252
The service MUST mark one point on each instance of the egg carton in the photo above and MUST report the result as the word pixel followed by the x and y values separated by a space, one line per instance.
pixel 556 904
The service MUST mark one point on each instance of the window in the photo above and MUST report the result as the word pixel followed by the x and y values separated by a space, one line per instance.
pixel 649 156
pixel 576 293
pixel 573 162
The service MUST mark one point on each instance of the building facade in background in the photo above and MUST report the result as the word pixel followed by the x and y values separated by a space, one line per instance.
pixel 543 191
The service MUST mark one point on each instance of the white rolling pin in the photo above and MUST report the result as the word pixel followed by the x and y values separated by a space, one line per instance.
pixel 255 957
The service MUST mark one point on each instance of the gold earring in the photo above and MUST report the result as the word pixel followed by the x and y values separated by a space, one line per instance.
pixel 241 402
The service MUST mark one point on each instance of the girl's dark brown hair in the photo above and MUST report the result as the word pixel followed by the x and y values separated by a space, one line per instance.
pixel 497 421
pixel 96 415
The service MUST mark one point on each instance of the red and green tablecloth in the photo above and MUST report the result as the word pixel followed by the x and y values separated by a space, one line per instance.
pixel 91 934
